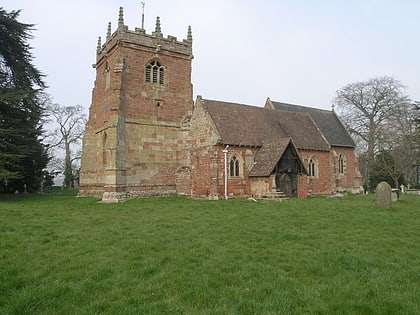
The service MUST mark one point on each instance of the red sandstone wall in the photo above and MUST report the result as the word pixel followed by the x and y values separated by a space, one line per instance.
pixel 324 182
pixel 146 124
pixel 204 157
pixel 302 187
pixel 351 177
pixel 328 179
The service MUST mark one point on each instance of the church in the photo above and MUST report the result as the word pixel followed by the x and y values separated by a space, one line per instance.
pixel 146 136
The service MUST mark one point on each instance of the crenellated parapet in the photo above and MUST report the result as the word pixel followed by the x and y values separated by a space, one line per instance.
pixel 138 38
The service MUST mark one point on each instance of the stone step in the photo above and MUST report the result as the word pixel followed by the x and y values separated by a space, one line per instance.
pixel 274 195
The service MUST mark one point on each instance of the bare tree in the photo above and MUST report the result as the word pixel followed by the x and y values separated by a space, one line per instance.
pixel 367 108
pixel 69 124
pixel 399 140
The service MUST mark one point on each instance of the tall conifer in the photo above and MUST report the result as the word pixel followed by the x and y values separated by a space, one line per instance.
pixel 22 154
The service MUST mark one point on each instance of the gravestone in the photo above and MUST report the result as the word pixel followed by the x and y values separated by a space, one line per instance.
pixel 383 195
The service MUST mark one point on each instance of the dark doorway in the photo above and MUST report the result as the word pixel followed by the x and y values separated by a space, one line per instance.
pixel 287 183
pixel 287 170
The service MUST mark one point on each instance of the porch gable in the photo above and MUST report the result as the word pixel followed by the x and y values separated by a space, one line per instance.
pixel 270 155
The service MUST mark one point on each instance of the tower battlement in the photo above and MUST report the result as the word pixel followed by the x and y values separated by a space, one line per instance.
pixel 139 38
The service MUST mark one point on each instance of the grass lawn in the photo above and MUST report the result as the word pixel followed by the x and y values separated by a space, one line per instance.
pixel 65 255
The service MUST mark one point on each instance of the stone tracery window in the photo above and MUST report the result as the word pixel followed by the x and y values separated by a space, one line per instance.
pixel 154 72
pixel 313 167
pixel 234 166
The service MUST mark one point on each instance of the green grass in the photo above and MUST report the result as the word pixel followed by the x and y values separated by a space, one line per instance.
pixel 65 255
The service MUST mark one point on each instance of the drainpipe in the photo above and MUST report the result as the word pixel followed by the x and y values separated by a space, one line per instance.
pixel 225 152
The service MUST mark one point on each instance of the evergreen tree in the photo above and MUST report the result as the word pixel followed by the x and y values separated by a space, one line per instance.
pixel 22 154
pixel 384 169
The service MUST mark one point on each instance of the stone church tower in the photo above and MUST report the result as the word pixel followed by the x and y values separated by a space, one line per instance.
pixel 137 134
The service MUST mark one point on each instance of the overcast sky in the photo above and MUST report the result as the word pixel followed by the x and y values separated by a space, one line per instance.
pixel 296 51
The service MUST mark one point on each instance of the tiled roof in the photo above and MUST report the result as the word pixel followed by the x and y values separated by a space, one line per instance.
pixel 268 156
pixel 246 125
pixel 327 121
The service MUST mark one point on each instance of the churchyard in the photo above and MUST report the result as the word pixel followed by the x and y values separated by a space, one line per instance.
pixel 66 255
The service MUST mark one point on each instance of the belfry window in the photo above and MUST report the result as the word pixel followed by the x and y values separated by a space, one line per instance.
pixel 154 72
pixel 234 166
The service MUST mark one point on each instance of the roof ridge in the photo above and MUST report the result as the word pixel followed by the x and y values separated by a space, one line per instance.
pixel 302 106
pixel 327 121
pixel 231 103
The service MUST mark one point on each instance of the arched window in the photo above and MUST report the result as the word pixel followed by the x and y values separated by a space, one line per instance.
pixel 154 72
pixel 234 166
pixel 312 167
pixel 341 163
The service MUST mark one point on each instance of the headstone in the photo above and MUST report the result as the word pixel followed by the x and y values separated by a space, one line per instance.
pixel 383 195
pixel 402 188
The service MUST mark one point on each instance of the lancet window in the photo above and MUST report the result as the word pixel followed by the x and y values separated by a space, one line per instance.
pixel 341 164
pixel 234 166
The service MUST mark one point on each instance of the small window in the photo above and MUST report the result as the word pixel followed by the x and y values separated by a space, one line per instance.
pixel 107 77
pixel 341 164
pixel 154 72
pixel 104 149
pixel 312 168
pixel 234 166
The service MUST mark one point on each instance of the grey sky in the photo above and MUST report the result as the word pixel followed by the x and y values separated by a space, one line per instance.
pixel 296 51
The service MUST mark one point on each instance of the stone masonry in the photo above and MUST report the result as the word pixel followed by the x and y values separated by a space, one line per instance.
pixel 145 137
pixel 138 131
